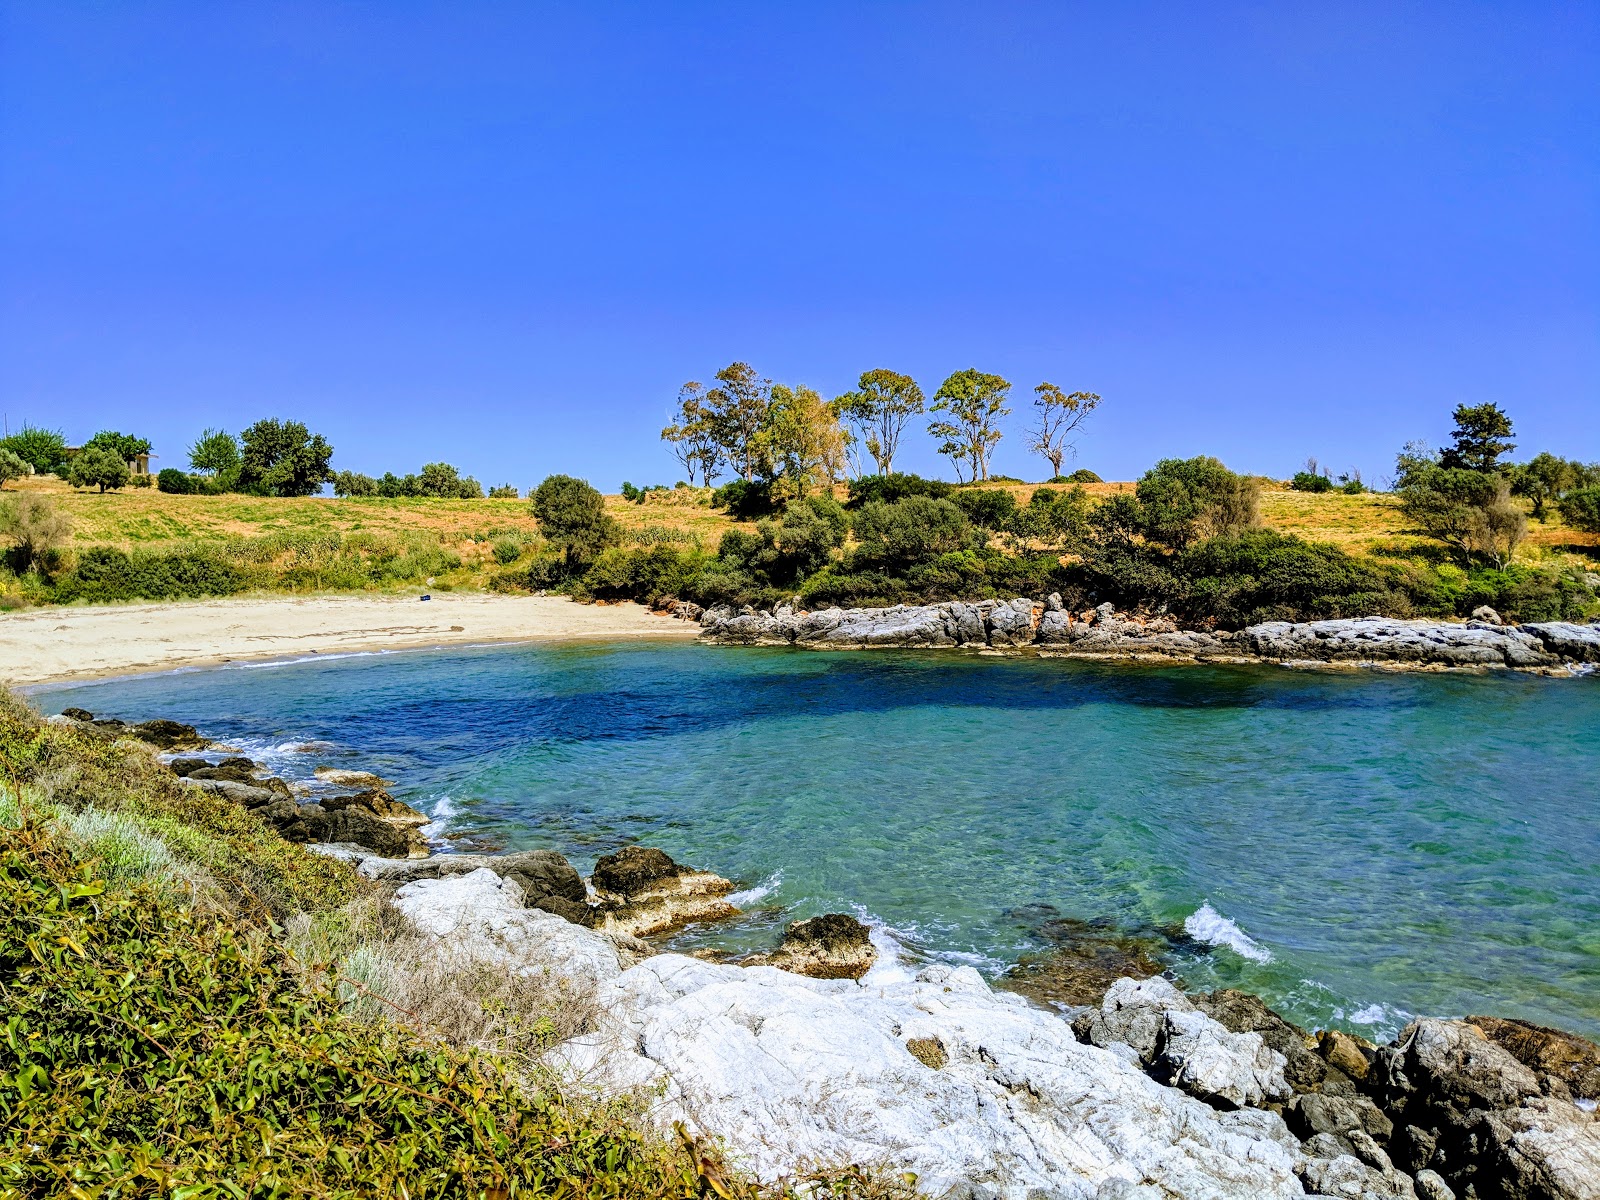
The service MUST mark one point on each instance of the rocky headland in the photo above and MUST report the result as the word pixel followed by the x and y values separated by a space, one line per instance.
pixel 1049 627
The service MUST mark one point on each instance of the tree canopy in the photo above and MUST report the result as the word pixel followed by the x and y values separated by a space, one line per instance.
pixel 878 409
pixel 45 450
pixel 98 467
pixel 572 517
pixel 1057 416
pixel 214 453
pixel 284 458
pixel 125 445
pixel 974 404
pixel 1480 438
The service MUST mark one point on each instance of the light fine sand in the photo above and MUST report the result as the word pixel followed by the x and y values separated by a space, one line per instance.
pixel 62 643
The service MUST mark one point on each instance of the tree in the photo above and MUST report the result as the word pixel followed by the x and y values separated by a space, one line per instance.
pixel 738 409
pixel 802 444
pixel 214 453
pixel 45 450
pixel 124 445
pixel 285 458
pixel 915 530
pixel 443 481
pixel 1480 438
pixel 572 517
pixel 879 408
pixel 98 467
pixel 1471 511
pixel 1580 508
pixel 1545 479
pixel 352 484
pixel 974 403
pixel 1182 501
pixel 35 528
pixel 1057 416
pixel 694 436
pixel 11 466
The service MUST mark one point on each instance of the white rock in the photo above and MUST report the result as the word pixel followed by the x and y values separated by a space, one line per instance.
pixel 481 914
pixel 789 1070
pixel 1203 1058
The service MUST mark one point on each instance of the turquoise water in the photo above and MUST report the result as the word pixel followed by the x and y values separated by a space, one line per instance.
pixel 1359 847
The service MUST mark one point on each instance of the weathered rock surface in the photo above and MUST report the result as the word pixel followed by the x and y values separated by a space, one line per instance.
pixel 1047 625
pixel 168 735
pixel 1547 1052
pixel 787 1069
pixel 642 892
pixel 832 946
pixel 1466 1108
pixel 1229 1070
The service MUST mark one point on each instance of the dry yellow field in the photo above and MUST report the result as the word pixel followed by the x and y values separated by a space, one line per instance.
pixel 146 518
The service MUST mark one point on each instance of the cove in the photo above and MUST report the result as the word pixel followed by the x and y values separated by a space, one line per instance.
pixel 1354 847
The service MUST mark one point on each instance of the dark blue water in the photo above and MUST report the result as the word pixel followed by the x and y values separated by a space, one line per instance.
pixel 1355 847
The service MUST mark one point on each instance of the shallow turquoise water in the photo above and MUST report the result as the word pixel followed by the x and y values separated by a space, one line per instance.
pixel 1381 844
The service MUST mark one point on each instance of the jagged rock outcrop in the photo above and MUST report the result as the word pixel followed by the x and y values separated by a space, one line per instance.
pixel 642 893
pixel 1103 632
pixel 832 946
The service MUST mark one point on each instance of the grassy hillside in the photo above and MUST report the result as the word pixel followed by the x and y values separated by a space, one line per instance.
pixel 327 544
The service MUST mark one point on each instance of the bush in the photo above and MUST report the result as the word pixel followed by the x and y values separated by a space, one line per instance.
pixel 1311 481
pixel 36 529
pixel 644 575
pixel 1081 475
pixel 507 550
pixel 442 481
pixel 915 530
pixel 351 484
pixel 103 574
pixel 987 508
pixel 504 491
pixel 139 481
pixel 1581 509
pixel 175 482
pixel 1183 501
pixel 1354 487
pixel 745 499
pixel 886 489
pixel 1262 575
pixel 1058 518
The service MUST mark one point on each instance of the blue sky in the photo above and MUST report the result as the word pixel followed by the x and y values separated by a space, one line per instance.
pixel 502 235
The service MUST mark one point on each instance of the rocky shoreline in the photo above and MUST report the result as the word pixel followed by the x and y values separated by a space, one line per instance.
pixel 1093 1076
pixel 1049 627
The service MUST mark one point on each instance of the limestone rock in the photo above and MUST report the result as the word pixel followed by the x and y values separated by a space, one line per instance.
pixel 832 946
pixel 1132 1013
pixel 1234 1070
pixel 249 795
pixel 642 892
pixel 1352 1056
pixel 1348 1178
pixel 787 1069
pixel 1242 1012
pixel 484 914
pixel 1574 643
pixel 1383 639
pixel 1314 1113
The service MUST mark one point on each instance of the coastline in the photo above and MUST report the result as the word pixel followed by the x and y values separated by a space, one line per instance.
pixel 54 645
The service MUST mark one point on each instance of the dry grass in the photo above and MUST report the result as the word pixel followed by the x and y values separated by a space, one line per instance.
pixel 146 518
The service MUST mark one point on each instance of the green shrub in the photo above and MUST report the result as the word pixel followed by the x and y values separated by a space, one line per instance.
pixel 104 573
pixel 572 517
pixel 507 550
pixel 351 484
pixel 504 491
pixel 886 489
pixel 987 508
pixel 644 575
pixel 45 450
pixel 745 499
pixel 12 466
pixel 1081 475
pixel 1183 501
pixel 1311 481
pixel 175 482
pixel 915 530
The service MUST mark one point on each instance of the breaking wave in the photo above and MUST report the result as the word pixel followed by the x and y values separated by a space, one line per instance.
pixel 1207 925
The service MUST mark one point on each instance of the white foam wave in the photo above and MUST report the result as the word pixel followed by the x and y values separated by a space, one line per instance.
pixel 270 663
pixel 1207 925
pixel 755 895
pixel 442 810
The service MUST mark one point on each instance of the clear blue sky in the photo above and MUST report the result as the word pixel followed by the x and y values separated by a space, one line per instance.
pixel 503 234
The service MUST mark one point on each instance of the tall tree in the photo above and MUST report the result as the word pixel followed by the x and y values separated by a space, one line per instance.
pixel 879 408
pixel 214 452
pixel 45 450
pixel 1057 416
pixel 124 445
pixel 96 466
pixel 284 457
pixel 693 437
pixel 802 444
pixel 572 516
pixel 738 408
pixel 974 404
pixel 1480 438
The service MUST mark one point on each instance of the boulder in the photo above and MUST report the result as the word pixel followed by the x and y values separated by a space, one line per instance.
pixel 168 735
pixel 1347 1177
pixel 360 780
pixel 1011 624
pixel 1229 1070
pixel 1132 1013
pixel 359 825
pixel 77 714
pixel 248 794
pixel 1569 642
pixel 1351 1056
pixel 380 804
pixel 642 893
pixel 1573 1060
pixel 1243 1012
pixel 832 946
pixel 183 767
pixel 1312 1113
pixel 1386 640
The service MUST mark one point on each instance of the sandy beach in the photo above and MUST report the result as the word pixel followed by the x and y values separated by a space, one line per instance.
pixel 64 643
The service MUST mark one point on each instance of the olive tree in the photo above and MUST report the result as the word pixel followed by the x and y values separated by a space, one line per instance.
pixel 96 466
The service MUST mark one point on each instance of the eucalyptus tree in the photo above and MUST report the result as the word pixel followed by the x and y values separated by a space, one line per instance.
pixel 883 402
pixel 973 404
pixel 1057 416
